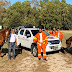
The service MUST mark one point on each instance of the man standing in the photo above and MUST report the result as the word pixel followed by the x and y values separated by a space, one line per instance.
pixel 42 41
pixel 12 43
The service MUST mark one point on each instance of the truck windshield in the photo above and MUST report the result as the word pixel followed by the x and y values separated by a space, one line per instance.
pixel 47 33
pixel 34 32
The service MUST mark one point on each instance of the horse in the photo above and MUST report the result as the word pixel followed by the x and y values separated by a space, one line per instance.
pixel 3 37
pixel 69 42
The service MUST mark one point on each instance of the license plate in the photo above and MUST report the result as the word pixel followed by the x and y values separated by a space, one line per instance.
pixel 54 47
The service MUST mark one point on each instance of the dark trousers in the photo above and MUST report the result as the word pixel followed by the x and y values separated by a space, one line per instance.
pixel 11 45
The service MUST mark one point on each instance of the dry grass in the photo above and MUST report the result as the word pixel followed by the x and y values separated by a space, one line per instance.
pixel 66 35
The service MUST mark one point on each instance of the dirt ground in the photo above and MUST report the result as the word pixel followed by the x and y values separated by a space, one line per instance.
pixel 25 62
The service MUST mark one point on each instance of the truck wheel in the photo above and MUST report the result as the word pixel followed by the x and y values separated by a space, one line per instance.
pixel 20 48
pixel 34 51
pixel 19 45
pixel 62 50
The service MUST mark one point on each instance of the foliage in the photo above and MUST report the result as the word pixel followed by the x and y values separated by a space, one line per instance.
pixel 3 5
pixel 49 13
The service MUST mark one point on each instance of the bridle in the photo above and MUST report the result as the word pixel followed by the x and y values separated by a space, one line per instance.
pixel 7 35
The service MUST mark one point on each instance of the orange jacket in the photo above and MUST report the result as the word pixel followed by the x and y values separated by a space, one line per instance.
pixel 60 35
pixel 49 31
pixel 44 38
pixel 55 35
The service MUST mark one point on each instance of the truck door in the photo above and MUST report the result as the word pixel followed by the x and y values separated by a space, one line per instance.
pixel 20 37
pixel 27 39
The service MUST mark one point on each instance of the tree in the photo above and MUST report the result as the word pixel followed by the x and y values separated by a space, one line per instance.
pixel 50 14
pixel 55 1
pixel 35 3
pixel 3 5
pixel 63 1
pixel 13 17
pixel 19 14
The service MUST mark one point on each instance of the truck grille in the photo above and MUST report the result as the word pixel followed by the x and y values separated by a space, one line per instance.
pixel 54 42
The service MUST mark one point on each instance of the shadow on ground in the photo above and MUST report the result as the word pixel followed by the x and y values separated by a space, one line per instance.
pixel 17 51
pixel 69 50
pixel 41 53
pixel 48 53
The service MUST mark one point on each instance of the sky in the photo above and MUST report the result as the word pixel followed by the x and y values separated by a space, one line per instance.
pixel 13 1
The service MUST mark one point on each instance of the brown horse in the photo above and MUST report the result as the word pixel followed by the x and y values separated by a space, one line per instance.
pixel 69 42
pixel 3 37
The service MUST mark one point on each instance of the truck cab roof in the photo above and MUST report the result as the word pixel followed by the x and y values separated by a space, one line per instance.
pixel 31 28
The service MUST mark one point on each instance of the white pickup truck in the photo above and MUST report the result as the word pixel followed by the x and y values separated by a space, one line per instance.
pixel 25 38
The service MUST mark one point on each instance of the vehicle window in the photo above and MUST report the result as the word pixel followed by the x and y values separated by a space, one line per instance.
pixel 16 31
pixel 47 33
pixel 21 32
pixel 34 32
pixel 27 32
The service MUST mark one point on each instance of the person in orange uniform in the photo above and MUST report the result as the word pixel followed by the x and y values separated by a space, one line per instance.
pixel 54 29
pixel 49 31
pixel 42 41
pixel 59 34
pixel 54 34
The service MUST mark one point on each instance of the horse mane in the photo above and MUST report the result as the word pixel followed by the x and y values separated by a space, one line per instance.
pixel 2 30
pixel 68 39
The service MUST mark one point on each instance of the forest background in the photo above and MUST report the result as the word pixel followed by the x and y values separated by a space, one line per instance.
pixel 49 13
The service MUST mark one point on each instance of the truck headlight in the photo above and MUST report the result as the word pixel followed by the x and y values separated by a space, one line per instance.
pixel 49 43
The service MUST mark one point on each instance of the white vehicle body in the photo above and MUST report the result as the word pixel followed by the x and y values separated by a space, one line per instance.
pixel 53 42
